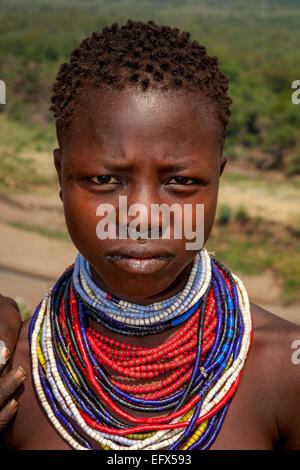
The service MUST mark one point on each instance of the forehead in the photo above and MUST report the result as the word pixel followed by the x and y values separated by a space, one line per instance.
pixel 121 122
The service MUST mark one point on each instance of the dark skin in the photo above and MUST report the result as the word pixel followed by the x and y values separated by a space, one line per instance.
pixel 11 379
pixel 139 140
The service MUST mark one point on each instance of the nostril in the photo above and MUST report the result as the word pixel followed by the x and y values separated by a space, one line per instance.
pixel 144 235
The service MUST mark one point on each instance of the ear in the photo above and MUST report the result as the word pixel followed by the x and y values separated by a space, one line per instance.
pixel 223 162
pixel 57 154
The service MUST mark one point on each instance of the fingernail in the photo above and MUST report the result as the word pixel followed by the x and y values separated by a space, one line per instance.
pixel 13 404
pixel 20 374
pixel 4 353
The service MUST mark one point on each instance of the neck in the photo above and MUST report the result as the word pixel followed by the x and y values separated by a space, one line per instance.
pixel 177 286
pixel 149 340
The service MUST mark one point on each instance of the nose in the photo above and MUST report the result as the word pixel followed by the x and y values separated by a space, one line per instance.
pixel 137 219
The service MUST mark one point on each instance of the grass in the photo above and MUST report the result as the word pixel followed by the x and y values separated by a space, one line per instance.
pixel 261 181
pixel 24 309
pixel 17 173
pixel 260 197
pixel 40 230
pixel 255 254
pixel 242 214
pixel 25 156
pixel 24 136
pixel 224 214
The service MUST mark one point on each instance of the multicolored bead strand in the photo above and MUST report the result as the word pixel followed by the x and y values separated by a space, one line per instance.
pixel 115 314
pixel 190 379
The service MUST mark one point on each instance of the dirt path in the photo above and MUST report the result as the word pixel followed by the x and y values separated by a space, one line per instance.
pixel 265 291
pixel 24 288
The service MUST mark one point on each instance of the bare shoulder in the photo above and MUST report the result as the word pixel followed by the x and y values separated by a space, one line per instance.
pixel 276 352
pixel 272 330
pixel 275 338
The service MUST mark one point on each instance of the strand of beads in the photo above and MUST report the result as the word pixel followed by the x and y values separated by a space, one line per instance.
pixel 73 385
pixel 157 356
pixel 116 314
pixel 143 360
pixel 162 443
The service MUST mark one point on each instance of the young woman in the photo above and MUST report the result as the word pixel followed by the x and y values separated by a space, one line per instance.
pixel 144 343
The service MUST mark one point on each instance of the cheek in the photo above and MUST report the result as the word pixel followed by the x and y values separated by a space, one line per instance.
pixel 81 221
pixel 203 218
pixel 209 216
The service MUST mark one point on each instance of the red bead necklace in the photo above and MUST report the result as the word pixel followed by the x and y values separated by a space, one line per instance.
pixel 175 356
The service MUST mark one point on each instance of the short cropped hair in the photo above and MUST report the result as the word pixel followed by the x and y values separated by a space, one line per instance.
pixel 143 55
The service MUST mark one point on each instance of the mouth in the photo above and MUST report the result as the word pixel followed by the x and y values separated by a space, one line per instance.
pixel 139 260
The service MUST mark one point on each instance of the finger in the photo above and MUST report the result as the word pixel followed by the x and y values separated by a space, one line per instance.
pixel 11 301
pixel 10 382
pixel 4 354
pixel 10 321
pixel 7 413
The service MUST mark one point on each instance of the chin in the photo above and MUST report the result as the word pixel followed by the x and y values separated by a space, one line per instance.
pixel 138 286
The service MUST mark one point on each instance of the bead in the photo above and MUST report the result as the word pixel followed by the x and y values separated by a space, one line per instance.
pixel 61 389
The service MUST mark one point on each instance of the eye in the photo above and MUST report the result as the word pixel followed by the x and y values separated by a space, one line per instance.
pixel 104 179
pixel 184 180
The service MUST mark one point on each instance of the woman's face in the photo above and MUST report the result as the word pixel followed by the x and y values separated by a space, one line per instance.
pixel 154 148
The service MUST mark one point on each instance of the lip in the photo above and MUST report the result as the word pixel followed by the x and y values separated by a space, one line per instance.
pixel 140 259
pixel 140 252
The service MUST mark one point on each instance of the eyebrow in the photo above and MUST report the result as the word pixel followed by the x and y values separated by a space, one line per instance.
pixel 116 166
pixel 164 167
pixel 179 166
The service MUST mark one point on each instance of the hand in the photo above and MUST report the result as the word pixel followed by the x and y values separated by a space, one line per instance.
pixel 10 324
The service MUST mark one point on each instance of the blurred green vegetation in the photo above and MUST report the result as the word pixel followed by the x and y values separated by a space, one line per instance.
pixel 40 230
pixel 18 174
pixel 224 214
pixel 252 250
pixel 257 43
pixel 23 307
pixel 294 166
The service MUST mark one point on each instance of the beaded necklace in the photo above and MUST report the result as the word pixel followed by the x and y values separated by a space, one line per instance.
pixel 189 379
pixel 117 314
